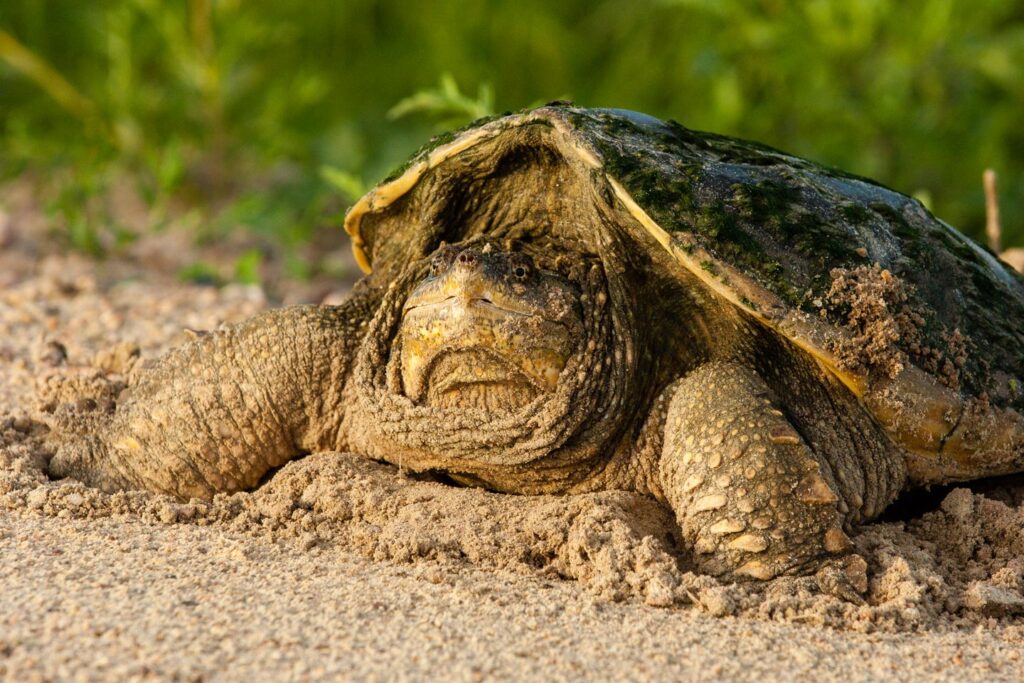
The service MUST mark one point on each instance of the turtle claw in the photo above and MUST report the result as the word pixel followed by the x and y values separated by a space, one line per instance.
pixel 845 578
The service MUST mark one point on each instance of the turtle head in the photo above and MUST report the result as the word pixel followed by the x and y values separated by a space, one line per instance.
pixel 486 329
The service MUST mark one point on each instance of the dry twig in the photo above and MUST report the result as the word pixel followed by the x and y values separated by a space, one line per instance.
pixel 993 229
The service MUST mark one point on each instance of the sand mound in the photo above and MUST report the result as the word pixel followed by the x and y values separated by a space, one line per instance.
pixel 962 564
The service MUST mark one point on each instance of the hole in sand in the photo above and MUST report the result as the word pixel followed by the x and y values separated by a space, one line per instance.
pixel 917 502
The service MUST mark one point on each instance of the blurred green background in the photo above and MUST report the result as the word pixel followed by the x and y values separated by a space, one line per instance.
pixel 269 117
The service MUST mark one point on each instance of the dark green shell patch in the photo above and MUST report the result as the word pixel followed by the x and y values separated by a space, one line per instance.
pixel 789 223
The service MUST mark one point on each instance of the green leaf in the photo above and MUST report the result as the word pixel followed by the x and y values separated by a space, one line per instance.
pixel 249 266
pixel 350 185
pixel 200 273
pixel 447 102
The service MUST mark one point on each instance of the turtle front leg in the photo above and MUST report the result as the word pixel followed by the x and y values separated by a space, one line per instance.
pixel 752 499
pixel 219 412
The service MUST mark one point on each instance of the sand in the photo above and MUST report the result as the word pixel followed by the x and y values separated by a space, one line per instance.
pixel 343 567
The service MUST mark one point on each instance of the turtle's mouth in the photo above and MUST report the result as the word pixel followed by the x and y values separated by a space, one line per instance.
pixel 480 355
pixel 486 304
pixel 477 378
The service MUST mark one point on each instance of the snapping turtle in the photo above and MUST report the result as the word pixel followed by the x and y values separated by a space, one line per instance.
pixel 565 300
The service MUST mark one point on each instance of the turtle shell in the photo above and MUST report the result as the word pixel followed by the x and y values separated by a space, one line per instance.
pixel 922 324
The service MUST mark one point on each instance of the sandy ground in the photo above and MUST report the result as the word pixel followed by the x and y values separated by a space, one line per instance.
pixel 121 599
pixel 342 567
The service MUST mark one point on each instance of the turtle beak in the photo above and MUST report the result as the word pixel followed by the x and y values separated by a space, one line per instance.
pixel 468 283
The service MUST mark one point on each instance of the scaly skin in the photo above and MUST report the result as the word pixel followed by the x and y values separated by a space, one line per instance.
pixel 753 499
pixel 219 412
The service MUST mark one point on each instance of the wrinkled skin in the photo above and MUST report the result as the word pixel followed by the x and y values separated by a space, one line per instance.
pixel 487 334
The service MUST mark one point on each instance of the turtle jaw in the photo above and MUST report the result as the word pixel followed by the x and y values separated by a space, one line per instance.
pixel 479 351
pixel 486 330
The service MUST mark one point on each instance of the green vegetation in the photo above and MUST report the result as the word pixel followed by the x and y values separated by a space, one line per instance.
pixel 271 116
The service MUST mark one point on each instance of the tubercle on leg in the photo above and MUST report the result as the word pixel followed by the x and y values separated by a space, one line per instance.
pixel 749 494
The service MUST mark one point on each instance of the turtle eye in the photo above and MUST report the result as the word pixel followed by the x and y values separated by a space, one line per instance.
pixel 521 270
pixel 440 263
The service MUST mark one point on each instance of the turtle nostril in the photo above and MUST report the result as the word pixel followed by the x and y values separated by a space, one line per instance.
pixel 466 258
